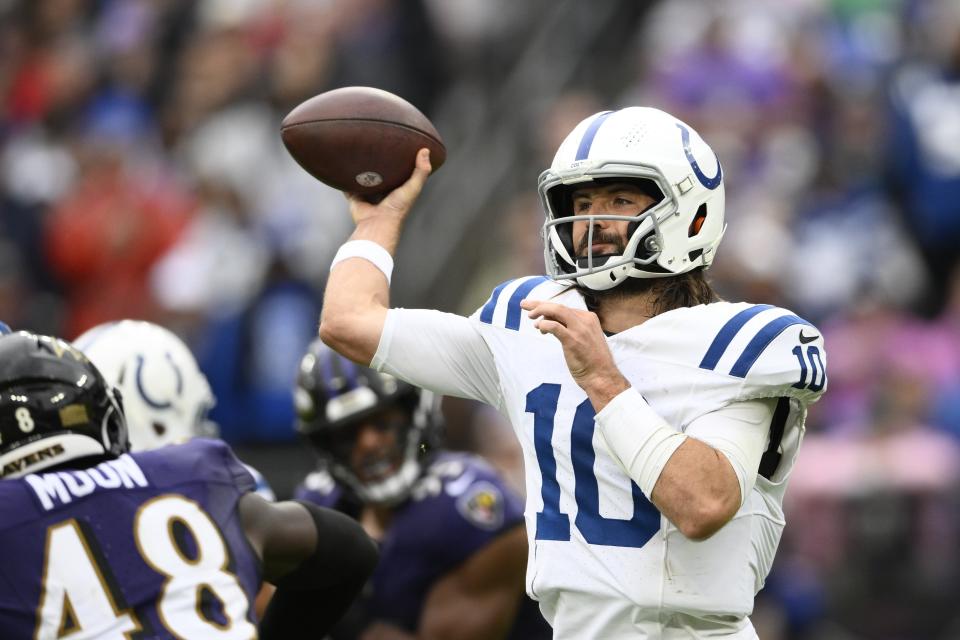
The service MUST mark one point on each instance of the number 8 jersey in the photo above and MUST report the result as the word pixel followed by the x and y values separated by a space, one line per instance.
pixel 603 561
pixel 147 545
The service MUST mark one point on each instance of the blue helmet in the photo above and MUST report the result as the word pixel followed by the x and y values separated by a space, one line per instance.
pixel 334 397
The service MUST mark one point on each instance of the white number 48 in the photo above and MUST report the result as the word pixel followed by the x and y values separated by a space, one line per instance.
pixel 77 601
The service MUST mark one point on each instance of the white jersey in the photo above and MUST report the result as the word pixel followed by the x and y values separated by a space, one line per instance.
pixel 603 561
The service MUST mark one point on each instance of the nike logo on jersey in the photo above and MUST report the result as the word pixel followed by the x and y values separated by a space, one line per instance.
pixel 805 339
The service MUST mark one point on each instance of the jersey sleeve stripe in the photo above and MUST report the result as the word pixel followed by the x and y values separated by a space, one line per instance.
pixel 760 342
pixel 727 333
pixel 486 314
pixel 513 306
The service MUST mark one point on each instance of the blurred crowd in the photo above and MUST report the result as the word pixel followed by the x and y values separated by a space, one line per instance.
pixel 839 127
pixel 142 175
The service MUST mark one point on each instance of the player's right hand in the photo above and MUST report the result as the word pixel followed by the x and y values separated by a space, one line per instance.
pixel 585 348
pixel 397 203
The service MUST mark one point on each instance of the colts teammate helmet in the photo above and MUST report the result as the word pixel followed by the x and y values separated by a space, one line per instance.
pixel 54 406
pixel 165 395
pixel 334 397
pixel 663 156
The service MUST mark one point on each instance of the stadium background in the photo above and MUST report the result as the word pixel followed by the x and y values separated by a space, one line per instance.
pixel 142 175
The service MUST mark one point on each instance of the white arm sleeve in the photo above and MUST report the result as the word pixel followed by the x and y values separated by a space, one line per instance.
pixel 740 431
pixel 439 351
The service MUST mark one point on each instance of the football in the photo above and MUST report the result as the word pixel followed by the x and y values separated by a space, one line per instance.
pixel 360 139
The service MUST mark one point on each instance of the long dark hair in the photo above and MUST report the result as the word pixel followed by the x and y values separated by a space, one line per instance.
pixel 674 292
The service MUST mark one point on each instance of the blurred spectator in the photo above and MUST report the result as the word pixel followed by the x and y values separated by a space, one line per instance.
pixel 251 354
pixel 877 553
pixel 141 175
pixel 108 230
pixel 924 150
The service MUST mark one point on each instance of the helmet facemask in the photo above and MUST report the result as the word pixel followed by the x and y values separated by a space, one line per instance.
pixel 335 399
pixel 641 247
pixel 384 474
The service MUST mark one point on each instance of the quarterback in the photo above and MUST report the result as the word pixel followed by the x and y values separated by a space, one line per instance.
pixel 659 424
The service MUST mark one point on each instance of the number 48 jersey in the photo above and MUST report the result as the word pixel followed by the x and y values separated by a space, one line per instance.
pixel 600 552
pixel 148 545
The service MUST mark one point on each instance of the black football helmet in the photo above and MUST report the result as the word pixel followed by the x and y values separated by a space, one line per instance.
pixel 334 396
pixel 54 406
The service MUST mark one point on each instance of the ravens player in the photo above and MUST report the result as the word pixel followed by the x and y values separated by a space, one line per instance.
pixel 659 424
pixel 452 544
pixel 170 543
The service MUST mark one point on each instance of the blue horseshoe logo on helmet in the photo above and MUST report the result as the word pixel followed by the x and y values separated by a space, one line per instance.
pixel 157 404
pixel 709 183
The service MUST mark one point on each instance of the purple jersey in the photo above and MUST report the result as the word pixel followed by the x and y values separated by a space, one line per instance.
pixel 457 507
pixel 150 541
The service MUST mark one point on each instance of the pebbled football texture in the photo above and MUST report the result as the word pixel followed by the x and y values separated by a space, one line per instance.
pixel 360 139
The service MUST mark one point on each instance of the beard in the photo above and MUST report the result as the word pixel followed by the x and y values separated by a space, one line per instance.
pixel 601 237
pixel 629 288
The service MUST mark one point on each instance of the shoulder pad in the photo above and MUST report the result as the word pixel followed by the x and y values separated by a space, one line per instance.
pixel 503 310
pixel 469 491
pixel 769 347
pixel 206 459
pixel 318 487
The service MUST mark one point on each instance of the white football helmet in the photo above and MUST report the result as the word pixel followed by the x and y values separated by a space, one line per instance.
pixel 165 395
pixel 651 147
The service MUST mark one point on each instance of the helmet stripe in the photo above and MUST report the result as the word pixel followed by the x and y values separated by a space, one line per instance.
pixel 587 141
pixel 326 356
pixel 727 333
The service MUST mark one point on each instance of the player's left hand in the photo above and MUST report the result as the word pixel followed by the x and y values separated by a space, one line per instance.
pixel 584 348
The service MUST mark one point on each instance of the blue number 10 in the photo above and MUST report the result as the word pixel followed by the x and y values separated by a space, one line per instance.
pixel 818 375
pixel 553 524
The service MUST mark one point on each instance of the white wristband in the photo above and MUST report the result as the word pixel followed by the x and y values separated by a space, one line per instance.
pixel 369 251
pixel 638 438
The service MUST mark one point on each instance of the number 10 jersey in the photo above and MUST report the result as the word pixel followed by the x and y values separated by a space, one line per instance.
pixel 603 561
